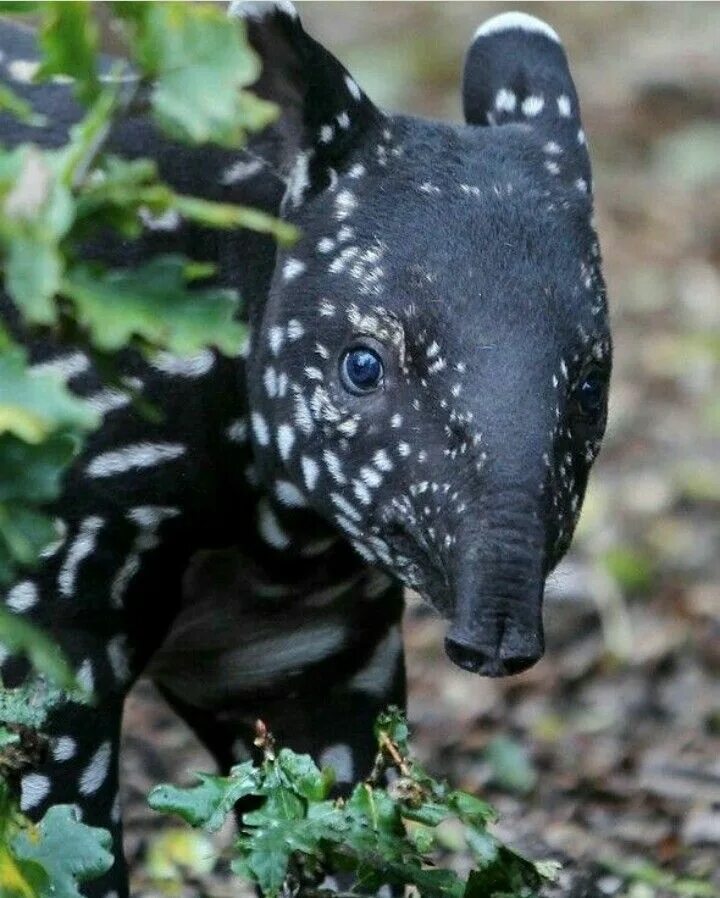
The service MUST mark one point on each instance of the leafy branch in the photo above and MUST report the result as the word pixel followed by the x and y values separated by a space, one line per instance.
pixel 384 833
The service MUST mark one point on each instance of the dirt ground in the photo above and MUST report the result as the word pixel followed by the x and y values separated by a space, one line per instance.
pixel 607 753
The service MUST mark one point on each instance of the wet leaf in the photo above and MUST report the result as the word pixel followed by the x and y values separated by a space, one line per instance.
pixel 69 852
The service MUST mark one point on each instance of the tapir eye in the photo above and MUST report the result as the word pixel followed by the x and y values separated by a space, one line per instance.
pixel 361 370
pixel 591 394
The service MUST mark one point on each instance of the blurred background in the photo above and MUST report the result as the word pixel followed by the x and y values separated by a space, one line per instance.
pixel 609 749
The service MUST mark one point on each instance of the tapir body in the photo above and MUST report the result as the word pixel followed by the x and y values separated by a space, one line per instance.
pixel 422 396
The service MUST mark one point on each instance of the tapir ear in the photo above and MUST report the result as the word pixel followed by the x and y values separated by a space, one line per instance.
pixel 516 70
pixel 324 114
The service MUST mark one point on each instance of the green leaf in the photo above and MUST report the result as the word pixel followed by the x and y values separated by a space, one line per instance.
pixel 471 810
pixel 68 40
pixel 34 272
pixel 33 407
pixel 198 60
pixel 18 636
pixel 24 533
pixel 207 804
pixel 303 776
pixel 273 833
pixel 68 851
pixel 20 108
pixel 37 213
pixel 33 473
pixel 153 303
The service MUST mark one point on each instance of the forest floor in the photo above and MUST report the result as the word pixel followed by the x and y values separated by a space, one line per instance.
pixel 607 753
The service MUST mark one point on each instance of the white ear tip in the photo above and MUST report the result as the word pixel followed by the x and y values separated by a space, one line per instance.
pixel 259 9
pixel 508 21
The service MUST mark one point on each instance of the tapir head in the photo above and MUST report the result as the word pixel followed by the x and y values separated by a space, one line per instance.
pixel 430 370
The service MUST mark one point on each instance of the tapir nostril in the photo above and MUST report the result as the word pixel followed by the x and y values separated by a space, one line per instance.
pixel 473 659
pixel 520 663
pixel 479 661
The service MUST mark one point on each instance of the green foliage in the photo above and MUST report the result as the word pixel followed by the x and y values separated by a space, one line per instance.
pixel 199 63
pixel 194 64
pixel 152 302
pixel 296 833
pixel 50 859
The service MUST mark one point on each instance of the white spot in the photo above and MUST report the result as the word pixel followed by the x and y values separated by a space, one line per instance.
pixel 345 204
pixel 334 466
pixel 285 440
pixel 260 428
pixel 292 268
pixel 581 137
pixel 313 373
pixel 65 367
pixel 289 494
pixel 295 330
pixel 303 418
pixel 563 105
pixel 96 771
pixel 345 507
pixel 370 477
pixel 276 338
pixel 33 788
pixel 311 472
pixel 270 381
pixel 552 167
pixel 327 132
pixel 340 758
pixel 22 597
pixel 108 400
pixel 362 493
pixel 343 120
pixel 505 100
pixel 396 421
pixel 237 431
pixel 352 86
pixel 552 148
pixel 82 546
pixel 270 529
pixel 169 220
pixel 133 457
pixel 63 748
pixel 241 170
pixel 508 21
pixel 532 105
pixel 325 245
pixel 382 461
pixel 404 449
pixel 189 366
pixel 356 171
pixel 299 180
pixel 23 70
pixel 259 9
pixel 85 676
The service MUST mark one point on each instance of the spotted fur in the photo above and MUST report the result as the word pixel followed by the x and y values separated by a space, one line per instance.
pixel 248 546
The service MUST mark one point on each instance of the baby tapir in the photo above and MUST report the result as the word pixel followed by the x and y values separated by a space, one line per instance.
pixel 421 400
